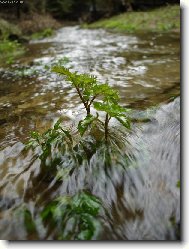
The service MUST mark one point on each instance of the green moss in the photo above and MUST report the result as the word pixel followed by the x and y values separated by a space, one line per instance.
pixel 43 34
pixel 157 20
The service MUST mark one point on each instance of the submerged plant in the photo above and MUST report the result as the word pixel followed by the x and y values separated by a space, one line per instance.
pixel 63 153
pixel 55 149
pixel 23 216
pixel 51 138
pixel 74 218
pixel 59 152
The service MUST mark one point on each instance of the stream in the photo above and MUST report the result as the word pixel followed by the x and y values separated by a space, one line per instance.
pixel 142 202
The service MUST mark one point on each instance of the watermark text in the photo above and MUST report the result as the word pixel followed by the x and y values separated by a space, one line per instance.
pixel 11 1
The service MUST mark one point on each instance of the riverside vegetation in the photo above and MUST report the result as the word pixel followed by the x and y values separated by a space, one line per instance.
pixel 164 19
pixel 13 38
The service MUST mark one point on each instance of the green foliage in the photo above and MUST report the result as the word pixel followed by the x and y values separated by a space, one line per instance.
pixel 114 110
pixel 89 89
pixel 9 50
pixel 23 213
pixel 124 121
pixel 84 124
pixel 28 221
pixel 8 46
pixel 49 140
pixel 74 218
pixel 86 85
pixel 43 34
pixel 59 152
pixel 158 20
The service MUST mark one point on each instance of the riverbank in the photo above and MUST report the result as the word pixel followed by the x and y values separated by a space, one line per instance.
pixel 15 33
pixel 27 25
pixel 37 26
pixel 158 20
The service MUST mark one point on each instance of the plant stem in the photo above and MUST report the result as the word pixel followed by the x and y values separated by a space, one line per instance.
pixel 87 107
pixel 92 100
pixel 106 127
pixel 88 110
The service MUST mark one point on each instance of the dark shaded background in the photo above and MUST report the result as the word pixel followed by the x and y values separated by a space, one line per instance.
pixel 76 10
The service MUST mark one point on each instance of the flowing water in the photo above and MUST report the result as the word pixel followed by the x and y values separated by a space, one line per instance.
pixel 142 200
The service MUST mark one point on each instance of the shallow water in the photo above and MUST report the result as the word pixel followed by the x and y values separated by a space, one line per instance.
pixel 142 199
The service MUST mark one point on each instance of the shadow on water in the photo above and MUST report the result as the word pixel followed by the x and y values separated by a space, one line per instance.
pixel 136 178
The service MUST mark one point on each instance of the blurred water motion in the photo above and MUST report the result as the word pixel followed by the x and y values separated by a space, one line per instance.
pixel 138 188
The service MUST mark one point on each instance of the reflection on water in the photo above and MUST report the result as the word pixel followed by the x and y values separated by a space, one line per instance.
pixel 139 188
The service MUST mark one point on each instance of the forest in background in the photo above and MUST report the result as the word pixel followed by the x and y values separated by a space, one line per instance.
pixel 76 10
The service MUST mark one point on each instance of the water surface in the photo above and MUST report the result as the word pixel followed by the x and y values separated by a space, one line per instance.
pixel 142 201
